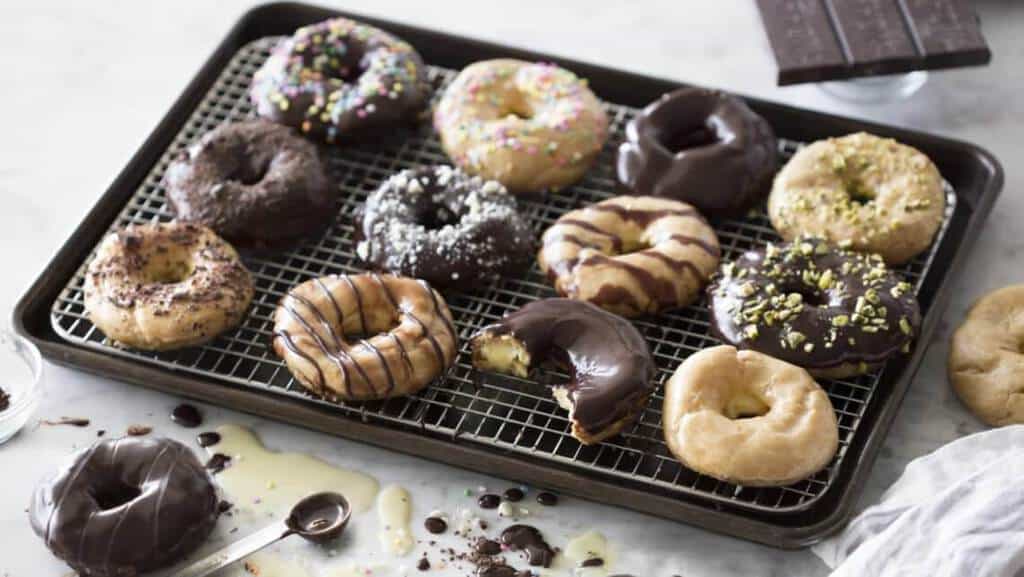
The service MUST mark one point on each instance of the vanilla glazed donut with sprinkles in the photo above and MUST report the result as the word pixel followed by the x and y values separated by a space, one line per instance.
pixel 341 79
pixel 442 225
pixel 531 126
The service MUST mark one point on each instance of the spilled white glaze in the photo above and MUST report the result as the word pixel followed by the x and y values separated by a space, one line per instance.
pixel 394 510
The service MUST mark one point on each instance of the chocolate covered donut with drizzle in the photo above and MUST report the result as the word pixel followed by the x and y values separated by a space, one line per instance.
pixel 611 366
pixel 361 337
pixel 631 255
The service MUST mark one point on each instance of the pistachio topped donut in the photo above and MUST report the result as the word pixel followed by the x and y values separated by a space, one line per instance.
pixel 166 286
pixel 530 126
pixel 835 312
pixel 340 78
pixel 366 336
pixel 632 255
pixel 861 192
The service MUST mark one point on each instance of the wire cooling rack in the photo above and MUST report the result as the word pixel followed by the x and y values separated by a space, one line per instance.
pixel 514 415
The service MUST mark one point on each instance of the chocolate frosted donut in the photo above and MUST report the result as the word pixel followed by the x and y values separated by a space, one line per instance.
pixel 341 79
pixel 611 366
pixel 441 225
pixel 700 146
pixel 126 506
pixel 836 313
pixel 256 183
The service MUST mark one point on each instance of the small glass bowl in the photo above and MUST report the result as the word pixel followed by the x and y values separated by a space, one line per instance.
pixel 21 370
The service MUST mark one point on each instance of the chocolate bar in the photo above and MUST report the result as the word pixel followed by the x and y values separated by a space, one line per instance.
pixel 816 40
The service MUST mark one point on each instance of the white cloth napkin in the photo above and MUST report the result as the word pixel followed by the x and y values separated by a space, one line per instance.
pixel 957 512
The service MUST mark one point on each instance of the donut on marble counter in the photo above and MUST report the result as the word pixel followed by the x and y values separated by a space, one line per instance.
pixel 366 336
pixel 703 147
pixel 834 312
pixel 746 418
pixel 986 357
pixel 439 224
pixel 165 286
pixel 530 126
pixel 860 192
pixel 340 80
pixel 126 506
pixel 257 184
pixel 631 255
pixel 612 372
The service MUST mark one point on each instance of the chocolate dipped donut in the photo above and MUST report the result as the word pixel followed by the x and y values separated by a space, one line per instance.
pixel 126 506
pixel 833 312
pixel 366 336
pixel 339 80
pixel 612 372
pixel 631 255
pixel 257 184
pixel 700 146
pixel 439 224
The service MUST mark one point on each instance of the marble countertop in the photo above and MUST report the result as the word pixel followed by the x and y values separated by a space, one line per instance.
pixel 85 82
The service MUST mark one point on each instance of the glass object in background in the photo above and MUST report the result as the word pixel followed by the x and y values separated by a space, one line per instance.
pixel 21 368
pixel 876 89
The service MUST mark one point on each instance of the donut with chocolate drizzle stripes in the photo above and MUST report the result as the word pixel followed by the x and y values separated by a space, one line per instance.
pixel 126 506
pixel 631 255
pixel 366 336
pixel 612 372
pixel 834 312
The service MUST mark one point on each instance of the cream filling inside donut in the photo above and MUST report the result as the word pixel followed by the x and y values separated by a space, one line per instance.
pixel 502 354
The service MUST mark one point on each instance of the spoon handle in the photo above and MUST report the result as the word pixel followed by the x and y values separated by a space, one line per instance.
pixel 237 550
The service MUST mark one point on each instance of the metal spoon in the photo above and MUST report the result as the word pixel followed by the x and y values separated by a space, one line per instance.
pixel 320 518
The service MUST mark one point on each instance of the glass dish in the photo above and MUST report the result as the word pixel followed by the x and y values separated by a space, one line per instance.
pixel 21 369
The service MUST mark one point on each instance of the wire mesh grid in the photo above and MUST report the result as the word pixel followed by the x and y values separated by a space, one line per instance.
pixel 517 416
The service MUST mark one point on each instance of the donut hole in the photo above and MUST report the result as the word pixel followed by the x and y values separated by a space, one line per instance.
pixel 518 108
pixel 114 494
pixel 438 218
pixel 168 272
pixel 858 192
pixel 744 405
pixel 249 173
pixel 687 137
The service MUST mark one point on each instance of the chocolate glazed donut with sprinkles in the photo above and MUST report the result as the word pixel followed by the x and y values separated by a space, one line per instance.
pixel 631 255
pixel 363 337
pixel 833 312
pixel 442 225
pixel 340 78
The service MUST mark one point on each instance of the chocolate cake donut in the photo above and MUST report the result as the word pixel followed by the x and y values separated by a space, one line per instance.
pixel 833 312
pixel 441 225
pixel 340 79
pixel 257 184
pixel 126 506
pixel 700 146
pixel 612 372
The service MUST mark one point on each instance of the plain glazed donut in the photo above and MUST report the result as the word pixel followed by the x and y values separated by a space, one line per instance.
pixel 986 357
pixel 747 418
pixel 366 336
pixel 704 147
pixel 631 255
pixel 836 313
pixel 257 184
pixel 531 127
pixel 166 286
pixel 860 192
pixel 612 372
pixel 441 225
pixel 339 80
pixel 126 506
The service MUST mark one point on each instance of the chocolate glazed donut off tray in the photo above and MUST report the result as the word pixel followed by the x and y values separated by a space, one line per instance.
pixel 498 425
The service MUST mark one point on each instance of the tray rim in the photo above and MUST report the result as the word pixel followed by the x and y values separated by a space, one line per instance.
pixel 767 530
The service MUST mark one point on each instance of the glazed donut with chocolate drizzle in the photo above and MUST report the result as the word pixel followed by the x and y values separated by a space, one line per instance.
pixel 631 255
pixel 611 366
pixel 366 336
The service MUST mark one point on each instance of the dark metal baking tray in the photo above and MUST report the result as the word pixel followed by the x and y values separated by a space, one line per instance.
pixel 501 426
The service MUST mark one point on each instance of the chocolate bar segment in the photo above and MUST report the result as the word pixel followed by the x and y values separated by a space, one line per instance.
pixel 816 40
